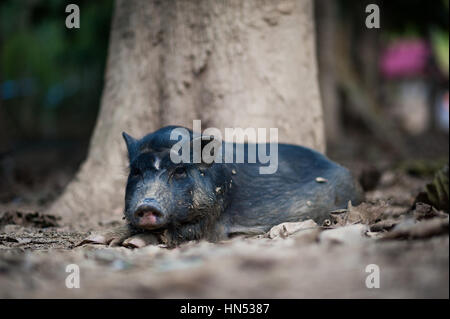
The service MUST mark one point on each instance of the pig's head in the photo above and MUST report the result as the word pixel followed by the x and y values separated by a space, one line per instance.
pixel 162 194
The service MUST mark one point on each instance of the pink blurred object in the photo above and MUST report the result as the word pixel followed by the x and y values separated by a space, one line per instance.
pixel 405 58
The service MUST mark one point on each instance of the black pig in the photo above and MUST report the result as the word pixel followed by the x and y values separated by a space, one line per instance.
pixel 173 203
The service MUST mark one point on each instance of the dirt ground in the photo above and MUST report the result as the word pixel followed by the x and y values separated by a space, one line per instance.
pixel 408 242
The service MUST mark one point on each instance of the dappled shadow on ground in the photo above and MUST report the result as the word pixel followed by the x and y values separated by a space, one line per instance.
pixel 294 260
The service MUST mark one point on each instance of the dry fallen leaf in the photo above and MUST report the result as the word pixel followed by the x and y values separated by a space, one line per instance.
pixel 347 234
pixel 422 229
pixel 365 213
pixel 286 229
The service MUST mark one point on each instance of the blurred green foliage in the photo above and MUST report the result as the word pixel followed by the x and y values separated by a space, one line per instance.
pixel 440 42
pixel 51 77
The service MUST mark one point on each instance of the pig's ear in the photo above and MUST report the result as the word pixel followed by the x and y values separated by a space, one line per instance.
pixel 131 145
pixel 210 148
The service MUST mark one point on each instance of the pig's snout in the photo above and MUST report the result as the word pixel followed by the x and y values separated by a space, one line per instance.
pixel 149 215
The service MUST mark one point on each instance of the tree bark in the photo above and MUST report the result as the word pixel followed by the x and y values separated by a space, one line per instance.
pixel 327 18
pixel 228 63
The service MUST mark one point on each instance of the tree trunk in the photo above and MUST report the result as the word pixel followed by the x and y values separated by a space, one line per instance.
pixel 228 63
pixel 327 18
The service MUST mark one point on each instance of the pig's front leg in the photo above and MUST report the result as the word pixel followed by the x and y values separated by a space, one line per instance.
pixel 141 240
pixel 124 235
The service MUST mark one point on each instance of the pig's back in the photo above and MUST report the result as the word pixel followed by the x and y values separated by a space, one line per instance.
pixel 305 185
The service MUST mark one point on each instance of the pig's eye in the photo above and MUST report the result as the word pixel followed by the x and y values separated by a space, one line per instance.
pixel 135 172
pixel 179 172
